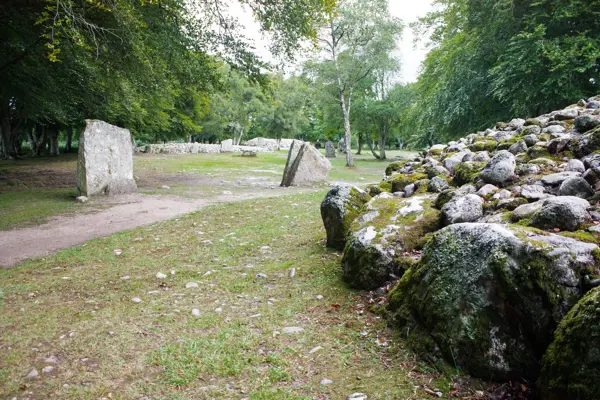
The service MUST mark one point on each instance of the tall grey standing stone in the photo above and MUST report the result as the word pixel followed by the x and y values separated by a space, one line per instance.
pixel 227 146
pixel 105 163
pixel 305 165
pixel 329 149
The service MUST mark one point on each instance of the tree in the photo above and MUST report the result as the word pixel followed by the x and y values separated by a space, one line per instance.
pixel 355 38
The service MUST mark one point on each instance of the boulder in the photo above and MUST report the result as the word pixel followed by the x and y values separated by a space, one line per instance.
pixel 571 365
pixel 526 210
pixel 592 176
pixel 339 209
pixel 569 113
pixel 499 169
pixel 533 192
pixel 519 147
pixel 562 212
pixel 531 139
pixel 576 186
pixel 451 161
pixel 588 143
pixel 487 298
pixel 305 165
pixel 329 149
pixel 227 146
pixel 481 156
pixel 437 185
pixel 575 165
pixel 437 149
pixel 467 208
pixel 387 228
pixel 527 169
pixel 105 160
pixel 487 190
pixel 558 178
pixel 586 123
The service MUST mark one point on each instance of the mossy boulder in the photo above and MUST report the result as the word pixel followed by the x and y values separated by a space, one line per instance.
pixel 400 181
pixel 394 167
pixel 586 144
pixel 339 209
pixel 487 297
pixel 388 227
pixel 571 365
pixel 484 145
pixel 466 172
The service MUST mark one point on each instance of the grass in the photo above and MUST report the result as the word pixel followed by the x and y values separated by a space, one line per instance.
pixel 77 306
pixel 32 190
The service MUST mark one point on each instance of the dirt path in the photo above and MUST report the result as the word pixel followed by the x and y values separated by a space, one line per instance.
pixel 129 212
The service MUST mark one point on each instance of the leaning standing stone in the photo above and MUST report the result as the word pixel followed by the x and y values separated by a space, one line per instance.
pixel 329 149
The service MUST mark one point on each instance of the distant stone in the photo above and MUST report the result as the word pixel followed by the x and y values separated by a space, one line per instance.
pixel 329 149
pixel 499 169
pixel 326 381
pixel 160 275
pixel 481 156
pixel 196 312
pixel 81 199
pixel 191 285
pixel 105 163
pixel 357 396
pixel 576 186
pixel 227 146
pixel 455 159
pixel 51 360
pixel 292 329
pixel 593 104
pixel 165 187
pixel 48 370
pixel 305 165
pixel 33 374
pixel 136 300
pixel 261 276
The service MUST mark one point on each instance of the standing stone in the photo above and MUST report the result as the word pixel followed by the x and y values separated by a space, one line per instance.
pixel 305 165
pixel 227 146
pixel 329 149
pixel 105 163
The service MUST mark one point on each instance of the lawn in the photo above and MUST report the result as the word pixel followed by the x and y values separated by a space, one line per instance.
pixel 213 326
pixel 33 190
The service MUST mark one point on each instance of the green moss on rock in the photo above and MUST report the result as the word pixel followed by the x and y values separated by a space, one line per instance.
pixel 486 145
pixel 400 181
pixel 466 172
pixel 571 365
pixel 395 166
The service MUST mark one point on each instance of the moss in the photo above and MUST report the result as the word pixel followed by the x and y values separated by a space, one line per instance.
pixel 354 207
pixel 444 197
pixel 400 181
pixel 386 186
pixel 466 172
pixel 395 166
pixel 374 190
pixel 571 365
pixel 533 121
pixel 582 236
pixel 487 145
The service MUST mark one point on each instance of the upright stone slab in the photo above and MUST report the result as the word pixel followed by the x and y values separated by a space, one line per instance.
pixel 305 165
pixel 105 163
pixel 329 149
pixel 227 146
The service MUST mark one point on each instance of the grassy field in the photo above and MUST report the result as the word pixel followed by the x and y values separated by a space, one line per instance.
pixel 31 190
pixel 214 326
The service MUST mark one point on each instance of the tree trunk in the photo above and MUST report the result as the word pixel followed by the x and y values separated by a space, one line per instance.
pixel 360 144
pixel 69 146
pixel 370 143
pixel 382 141
pixel 7 148
pixel 37 139
pixel 53 131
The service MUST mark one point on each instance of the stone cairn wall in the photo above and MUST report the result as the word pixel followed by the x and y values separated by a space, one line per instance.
pixel 483 252
pixel 259 145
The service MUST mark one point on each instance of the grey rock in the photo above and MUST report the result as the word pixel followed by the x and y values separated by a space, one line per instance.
pixel 543 162
pixel 437 170
pixel 586 123
pixel 487 190
pixel 502 194
pixel 553 129
pixel 326 381
pixel 105 161
pixel 499 169
pixel 569 113
pixel 468 157
pixel 510 203
pixel 532 139
pixel 481 156
pixel 409 190
pixel 329 149
pixel 576 186
pixel 527 169
pixel 227 146
pixel 519 147
pixel 33 374
pixel 48 369
pixel 558 178
pixel 592 176
pixel 455 159
pixel 459 209
pixel 341 206
pixel 289 330
pixel 437 185
pixel 594 105
pixel 305 165
pixel 527 210
pixel 533 192
pixel 516 123
pixel 562 212
pixel 591 161
pixel 357 396
pixel 81 199
pixel 575 165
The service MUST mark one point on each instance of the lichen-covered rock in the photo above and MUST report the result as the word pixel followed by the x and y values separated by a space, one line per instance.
pixel 563 212
pixel 499 169
pixel 400 181
pixel 527 169
pixel 481 156
pixel 571 365
pixel 586 123
pixel 519 147
pixel 487 190
pixel 576 186
pixel 339 209
pixel 436 170
pixel 467 208
pixel 395 166
pixel 437 185
pixel 453 160
pixel 575 165
pixel 533 192
pixel 566 114
pixel 526 211
pixel 558 178
pixel 588 143
pixel 466 172
pixel 592 176
pixel 532 139
pixel 387 228
pixel 488 297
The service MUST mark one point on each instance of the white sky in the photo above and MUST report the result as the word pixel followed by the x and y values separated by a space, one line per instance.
pixel 407 10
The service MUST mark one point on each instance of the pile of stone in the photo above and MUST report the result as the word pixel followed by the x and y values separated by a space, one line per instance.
pixel 196 148
pixel 491 246
pixel 270 144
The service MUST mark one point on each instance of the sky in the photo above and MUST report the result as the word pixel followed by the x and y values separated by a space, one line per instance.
pixel 407 10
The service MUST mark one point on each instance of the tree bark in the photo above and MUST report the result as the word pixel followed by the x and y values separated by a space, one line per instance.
pixel 360 144
pixel 382 141
pixel 370 144
pixel 69 146
pixel 7 149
